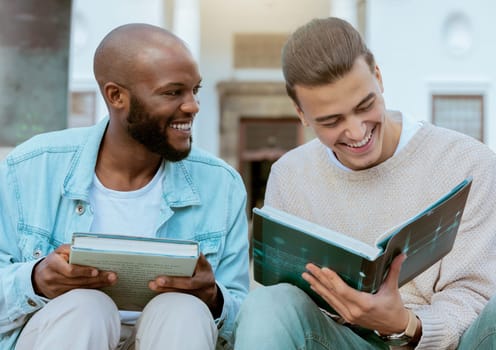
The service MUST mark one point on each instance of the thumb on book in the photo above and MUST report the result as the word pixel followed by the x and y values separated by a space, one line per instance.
pixel 394 271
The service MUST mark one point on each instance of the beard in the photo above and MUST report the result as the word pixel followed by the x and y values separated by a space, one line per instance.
pixel 148 131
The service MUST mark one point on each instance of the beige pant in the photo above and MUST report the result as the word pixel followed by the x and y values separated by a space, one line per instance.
pixel 85 319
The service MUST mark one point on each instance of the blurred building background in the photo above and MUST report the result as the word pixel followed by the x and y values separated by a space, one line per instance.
pixel 435 57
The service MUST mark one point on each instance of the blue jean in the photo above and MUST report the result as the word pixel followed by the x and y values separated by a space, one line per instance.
pixel 481 335
pixel 282 317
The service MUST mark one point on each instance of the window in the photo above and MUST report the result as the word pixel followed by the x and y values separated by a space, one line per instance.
pixel 463 113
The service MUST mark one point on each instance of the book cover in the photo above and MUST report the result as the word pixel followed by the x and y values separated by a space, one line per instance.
pixel 136 260
pixel 283 244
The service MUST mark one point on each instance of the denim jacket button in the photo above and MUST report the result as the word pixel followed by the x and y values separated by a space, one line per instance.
pixel 37 253
pixel 80 209
pixel 32 303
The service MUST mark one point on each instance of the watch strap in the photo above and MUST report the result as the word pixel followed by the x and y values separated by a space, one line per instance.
pixel 412 324
pixel 405 337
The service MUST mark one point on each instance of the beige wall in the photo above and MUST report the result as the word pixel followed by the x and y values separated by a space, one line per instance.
pixel 220 19
pixel 448 53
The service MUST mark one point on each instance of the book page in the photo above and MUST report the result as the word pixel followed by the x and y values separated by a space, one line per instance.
pixel 347 242
pixel 144 245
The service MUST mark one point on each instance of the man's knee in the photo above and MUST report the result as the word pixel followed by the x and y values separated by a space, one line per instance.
pixel 482 333
pixel 178 305
pixel 491 306
pixel 164 318
pixel 91 298
pixel 170 309
pixel 85 303
pixel 79 316
pixel 488 314
pixel 275 299
pixel 88 305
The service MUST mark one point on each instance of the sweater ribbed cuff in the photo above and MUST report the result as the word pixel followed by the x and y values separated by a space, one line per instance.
pixel 433 333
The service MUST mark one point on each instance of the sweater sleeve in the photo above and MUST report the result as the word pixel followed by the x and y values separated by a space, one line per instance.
pixel 465 278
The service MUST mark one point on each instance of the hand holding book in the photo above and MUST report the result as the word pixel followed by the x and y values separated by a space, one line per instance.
pixel 380 311
pixel 284 244
pixel 136 261
pixel 202 285
pixel 53 276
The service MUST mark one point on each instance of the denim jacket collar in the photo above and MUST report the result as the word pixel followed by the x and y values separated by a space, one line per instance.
pixel 80 175
pixel 179 189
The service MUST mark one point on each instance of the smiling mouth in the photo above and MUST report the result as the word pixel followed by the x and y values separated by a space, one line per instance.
pixel 181 126
pixel 363 142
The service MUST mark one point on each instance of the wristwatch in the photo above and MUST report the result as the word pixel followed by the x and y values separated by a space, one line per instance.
pixel 404 338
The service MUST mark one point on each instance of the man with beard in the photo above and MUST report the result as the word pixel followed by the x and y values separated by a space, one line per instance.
pixel 133 173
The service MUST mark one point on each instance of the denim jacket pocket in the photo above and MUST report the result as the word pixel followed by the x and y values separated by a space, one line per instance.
pixel 210 245
pixel 34 244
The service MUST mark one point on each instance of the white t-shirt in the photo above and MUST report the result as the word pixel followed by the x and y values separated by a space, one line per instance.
pixel 133 213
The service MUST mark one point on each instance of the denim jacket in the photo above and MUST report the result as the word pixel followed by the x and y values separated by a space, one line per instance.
pixel 44 186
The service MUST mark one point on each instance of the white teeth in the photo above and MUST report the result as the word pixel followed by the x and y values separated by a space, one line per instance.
pixel 361 143
pixel 181 126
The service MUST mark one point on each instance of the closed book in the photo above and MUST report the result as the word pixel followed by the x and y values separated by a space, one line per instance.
pixel 283 244
pixel 136 260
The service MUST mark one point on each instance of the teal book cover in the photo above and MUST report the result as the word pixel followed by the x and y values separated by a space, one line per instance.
pixel 283 244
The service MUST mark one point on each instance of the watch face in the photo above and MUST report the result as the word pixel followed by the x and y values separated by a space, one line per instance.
pixel 397 339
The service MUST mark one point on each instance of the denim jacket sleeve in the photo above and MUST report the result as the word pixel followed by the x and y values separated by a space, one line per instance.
pixel 232 272
pixel 205 200
pixel 17 297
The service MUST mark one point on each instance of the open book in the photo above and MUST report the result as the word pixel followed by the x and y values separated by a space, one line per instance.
pixel 136 260
pixel 283 244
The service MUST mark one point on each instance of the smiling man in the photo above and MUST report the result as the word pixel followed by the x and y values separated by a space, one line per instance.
pixel 370 169
pixel 134 173
pixel 349 118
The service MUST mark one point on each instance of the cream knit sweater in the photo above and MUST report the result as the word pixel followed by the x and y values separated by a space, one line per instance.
pixel 448 296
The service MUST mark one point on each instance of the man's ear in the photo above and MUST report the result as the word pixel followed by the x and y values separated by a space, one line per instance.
pixel 301 115
pixel 116 95
pixel 378 76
